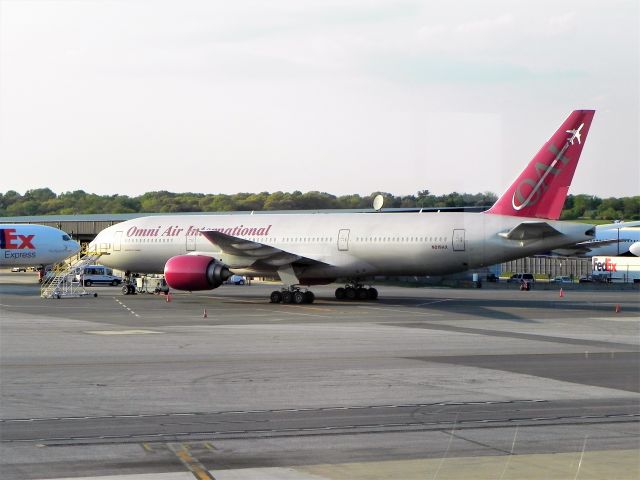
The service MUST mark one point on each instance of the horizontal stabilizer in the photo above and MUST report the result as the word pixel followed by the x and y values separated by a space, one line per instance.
pixel 531 231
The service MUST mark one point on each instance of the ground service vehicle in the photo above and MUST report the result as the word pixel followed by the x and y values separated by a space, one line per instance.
pixel 98 275
pixel 522 277
pixel 562 279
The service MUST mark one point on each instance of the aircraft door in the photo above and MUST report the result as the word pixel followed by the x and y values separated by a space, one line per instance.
pixel 191 241
pixel 117 241
pixel 458 240
pixel 343 240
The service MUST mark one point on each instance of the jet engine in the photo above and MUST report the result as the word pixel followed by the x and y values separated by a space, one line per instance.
pixel 195 272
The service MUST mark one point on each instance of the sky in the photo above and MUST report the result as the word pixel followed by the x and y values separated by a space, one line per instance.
pixel 125 97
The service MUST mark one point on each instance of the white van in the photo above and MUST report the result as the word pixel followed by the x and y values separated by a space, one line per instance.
pixel 97 274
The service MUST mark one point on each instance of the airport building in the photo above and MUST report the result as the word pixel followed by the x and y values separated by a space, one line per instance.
pixel 551 266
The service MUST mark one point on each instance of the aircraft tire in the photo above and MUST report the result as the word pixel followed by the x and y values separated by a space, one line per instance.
pixel 362 294
pixel 372 293
pixel 340 292
pixel 276 297
pixel 350 293
pixel 287 297
pixel 309 297
pixel 298 297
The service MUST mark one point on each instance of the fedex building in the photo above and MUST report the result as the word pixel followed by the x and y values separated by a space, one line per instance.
pixel 617 269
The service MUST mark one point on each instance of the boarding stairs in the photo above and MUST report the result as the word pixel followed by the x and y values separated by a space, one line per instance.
pixel 62 283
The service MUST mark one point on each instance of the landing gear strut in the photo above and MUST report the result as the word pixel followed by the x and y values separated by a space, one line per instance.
pixel 356 291
pixel 292 295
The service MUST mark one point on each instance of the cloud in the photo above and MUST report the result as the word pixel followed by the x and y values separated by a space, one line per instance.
pixel 561 23
pixel 486 25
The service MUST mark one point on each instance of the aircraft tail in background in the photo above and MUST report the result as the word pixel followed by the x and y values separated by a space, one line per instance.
pixel 541 189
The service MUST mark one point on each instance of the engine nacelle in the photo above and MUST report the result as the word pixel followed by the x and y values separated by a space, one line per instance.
pixel 195 272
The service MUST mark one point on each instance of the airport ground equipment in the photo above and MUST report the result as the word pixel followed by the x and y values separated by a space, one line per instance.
pixel 63 283
pixel 134 284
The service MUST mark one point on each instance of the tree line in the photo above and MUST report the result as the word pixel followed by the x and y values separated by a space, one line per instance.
pixel 43 201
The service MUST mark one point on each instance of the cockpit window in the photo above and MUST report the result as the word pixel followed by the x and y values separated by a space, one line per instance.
pixel 66 238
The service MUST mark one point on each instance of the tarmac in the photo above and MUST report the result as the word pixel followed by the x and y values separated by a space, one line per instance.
pixel 425 383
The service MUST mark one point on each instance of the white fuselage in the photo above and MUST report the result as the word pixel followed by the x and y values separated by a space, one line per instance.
pixel 625 234
pixel 23 245
pixel 341 244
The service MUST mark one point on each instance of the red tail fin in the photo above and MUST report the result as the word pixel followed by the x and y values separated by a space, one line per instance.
pixel 541 189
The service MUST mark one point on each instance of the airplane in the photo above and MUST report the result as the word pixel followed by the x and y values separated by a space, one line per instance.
pixel 611 240
pixel 576 134
pixel 29 245
pixel 199 252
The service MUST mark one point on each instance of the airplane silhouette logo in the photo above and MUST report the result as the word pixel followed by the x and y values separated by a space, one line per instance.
pixel 575 134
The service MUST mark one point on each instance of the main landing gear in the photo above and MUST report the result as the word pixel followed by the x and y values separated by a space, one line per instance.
pixel 292 295
pixel 356 292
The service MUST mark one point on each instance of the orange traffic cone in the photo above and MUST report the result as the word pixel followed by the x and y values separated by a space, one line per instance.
pixel 561 293
pixel 168 297
pixel 618 309
pixel 204 314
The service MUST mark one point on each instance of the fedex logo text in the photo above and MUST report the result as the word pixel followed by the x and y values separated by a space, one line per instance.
pixel 606 266
pixel 9 240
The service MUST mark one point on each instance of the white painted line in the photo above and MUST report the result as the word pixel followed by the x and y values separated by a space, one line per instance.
pixel 408 312
pixel 434 301
pixel 121 332
pixel 296 312
pixel 617 319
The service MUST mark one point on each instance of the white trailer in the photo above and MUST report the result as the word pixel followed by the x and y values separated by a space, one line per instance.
pixel 616 269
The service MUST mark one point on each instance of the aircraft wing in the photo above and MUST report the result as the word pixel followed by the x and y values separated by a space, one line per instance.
pixel 255 251
pixel 530 231
pixel 582 248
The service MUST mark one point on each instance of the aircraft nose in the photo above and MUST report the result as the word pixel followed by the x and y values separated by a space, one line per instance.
pixel 101 238
pixel 73 246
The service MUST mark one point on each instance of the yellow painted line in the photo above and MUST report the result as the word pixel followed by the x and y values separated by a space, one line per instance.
pixel 193 464
pixel 147 447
